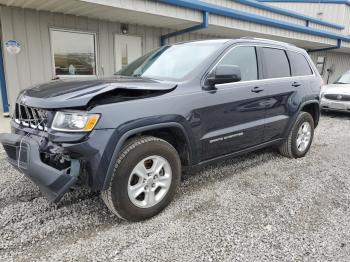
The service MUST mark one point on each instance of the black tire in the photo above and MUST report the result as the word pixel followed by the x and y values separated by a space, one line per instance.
pixel 116 196
pixel 289 147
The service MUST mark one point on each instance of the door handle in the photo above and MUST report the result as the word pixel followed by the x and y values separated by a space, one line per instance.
pixel 257 89
pixel 296 84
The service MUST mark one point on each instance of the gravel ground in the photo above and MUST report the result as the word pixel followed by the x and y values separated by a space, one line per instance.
pixel 259 207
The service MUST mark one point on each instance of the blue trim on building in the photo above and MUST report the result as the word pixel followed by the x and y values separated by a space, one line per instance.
pixel 345 2
pixel 327 48
pixel 282 11
pixel 240 15
pixel 203 25
pixel 5 103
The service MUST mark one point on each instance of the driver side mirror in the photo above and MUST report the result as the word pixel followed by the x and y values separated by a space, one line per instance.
pixel 224 74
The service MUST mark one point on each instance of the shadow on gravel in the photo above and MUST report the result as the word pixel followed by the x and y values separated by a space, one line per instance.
pixel 227 168
pixel 339 115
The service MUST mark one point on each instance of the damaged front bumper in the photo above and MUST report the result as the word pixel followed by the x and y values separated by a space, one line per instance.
pixel 24 154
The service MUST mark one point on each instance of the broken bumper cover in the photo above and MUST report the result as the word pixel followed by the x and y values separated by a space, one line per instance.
pixel 24 154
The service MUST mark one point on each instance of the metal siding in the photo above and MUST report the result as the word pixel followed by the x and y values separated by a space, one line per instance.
pixel 340 60
pixel 34 53
pixel 336 13
pixel 20 33
pixel 156 8
pixel 265 30
pixel 273 15
pixel 45 20
pixel 308 34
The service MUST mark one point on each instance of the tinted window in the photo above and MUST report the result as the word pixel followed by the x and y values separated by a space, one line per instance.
pixel 245 58
pixel 275 63
pixel 299 64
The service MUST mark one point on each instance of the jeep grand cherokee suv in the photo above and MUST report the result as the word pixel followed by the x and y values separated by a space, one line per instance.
pixel 177 108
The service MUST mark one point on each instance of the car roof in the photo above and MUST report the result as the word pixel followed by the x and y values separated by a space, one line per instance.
pixel 207 41
pixel 243 40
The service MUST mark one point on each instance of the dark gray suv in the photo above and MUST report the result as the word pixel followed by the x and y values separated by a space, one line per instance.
pixel 173 110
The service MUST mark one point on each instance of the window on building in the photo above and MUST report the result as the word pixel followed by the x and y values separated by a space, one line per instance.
pixel 276 63
pixel 245 58
pixel 74 53
pixel 320 64
pixel 299 64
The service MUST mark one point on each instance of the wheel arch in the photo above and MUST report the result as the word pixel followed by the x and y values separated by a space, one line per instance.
pixel 158 130
pixel 310 106
pixel 313 108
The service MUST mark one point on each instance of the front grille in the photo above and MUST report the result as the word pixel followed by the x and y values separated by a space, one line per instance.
pixel 337 97
pixel 31 117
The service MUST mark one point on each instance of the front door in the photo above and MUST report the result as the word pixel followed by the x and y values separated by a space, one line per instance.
pixel 127 49
pixel 235 116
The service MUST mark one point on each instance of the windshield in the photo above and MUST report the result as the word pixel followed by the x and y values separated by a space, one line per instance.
pixel 170 62
pixel 344 79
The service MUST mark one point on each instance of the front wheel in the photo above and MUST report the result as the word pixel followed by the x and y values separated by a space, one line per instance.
pixel 300 137
pixel 145 179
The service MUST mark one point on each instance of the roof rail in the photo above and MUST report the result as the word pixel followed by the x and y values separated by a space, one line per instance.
pixel 267 40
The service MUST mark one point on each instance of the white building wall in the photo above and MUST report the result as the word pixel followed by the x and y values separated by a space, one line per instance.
pixel 266 31
pixel 288 19
pixel 249 9
pixel 336 13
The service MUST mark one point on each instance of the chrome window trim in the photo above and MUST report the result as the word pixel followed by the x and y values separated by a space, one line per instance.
pixel 259 80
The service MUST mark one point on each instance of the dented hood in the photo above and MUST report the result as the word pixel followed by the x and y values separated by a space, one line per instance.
pixel 78 93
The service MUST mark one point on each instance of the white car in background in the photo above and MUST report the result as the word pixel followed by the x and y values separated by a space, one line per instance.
pixel 336 96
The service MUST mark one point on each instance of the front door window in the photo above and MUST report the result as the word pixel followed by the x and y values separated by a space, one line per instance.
pixel 245 58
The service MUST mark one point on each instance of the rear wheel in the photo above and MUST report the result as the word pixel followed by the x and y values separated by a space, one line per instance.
pixel 300 137
pixel 145 179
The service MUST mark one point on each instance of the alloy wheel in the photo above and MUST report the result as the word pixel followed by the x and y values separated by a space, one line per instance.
pixel 304 136
pixel 149 181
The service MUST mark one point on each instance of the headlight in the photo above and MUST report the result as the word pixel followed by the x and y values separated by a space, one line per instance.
pixel 74 121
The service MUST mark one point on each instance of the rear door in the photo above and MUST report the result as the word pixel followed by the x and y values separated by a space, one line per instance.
pixel 284 88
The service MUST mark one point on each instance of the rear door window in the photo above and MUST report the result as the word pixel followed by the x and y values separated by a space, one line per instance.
pixel 276 63
pixel 245 58
pixel 299 64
